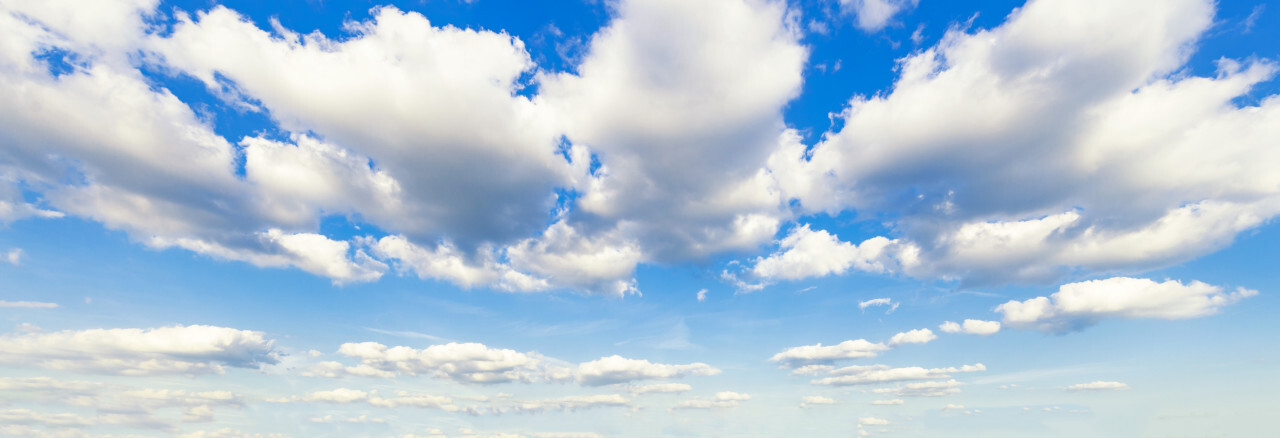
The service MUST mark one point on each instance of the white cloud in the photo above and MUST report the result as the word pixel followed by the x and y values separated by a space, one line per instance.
pixel 805 253
pixel 682 104
pixel 400 398
pixel 571 403
pixel 971 326
pixel 872 421
pixel 363 419
pixel 702 295
pixel 819 354
pixel 28 304
pixel 1077 305
pixel 1097 386
pixel 871 374
pixel 617 369
pixel 873 15
pixel 892 402
pixel 464 363
pixel 14 256
pixel 923 389
pixel 917 336
pixel 725 399
pixel 659 388
pixel 863 305
pixel 195 349
pixel 815 400
pixel 979 110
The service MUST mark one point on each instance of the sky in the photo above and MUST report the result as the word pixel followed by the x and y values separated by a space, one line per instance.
pixel 637 218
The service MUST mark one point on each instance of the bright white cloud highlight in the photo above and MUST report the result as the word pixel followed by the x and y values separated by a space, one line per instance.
pixel 617 369
pixel 195 349
pixel 809 401
pixel 807 253
pixel 820 354
pixel 873 15
pixel 1097 386
pixel 1077 305
pixel 871 374
pixel 463 363
pixel 971 327
pixel 917 336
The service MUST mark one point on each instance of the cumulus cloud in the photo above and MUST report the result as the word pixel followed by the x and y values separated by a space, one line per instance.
pixel 871 374
pixel 464 363
pixel 725 399
pixel 818 354
pixel 982 108
pixel 872 421
pixel 873 15
pixel 195 349
pixel 805 253
pixel 815 400
pixel 13 256
pixel 1078 305
pixel 617 369
pixel 971 326
pixel 1096 386
pixel 659 388
pixel 917 336
pixel 923 389
pixel 28 304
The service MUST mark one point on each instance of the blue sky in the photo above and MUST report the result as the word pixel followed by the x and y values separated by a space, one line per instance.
pixel 586 218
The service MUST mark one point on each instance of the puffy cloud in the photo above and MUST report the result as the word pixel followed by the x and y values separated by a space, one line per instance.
pixel 819 354
pixel 923 389
pixel 872 421
pixel 659 388
pixel 28 304
pixel 1097 386
pixel 726 399
pixel 871 374
pixel 681 102
pixel 390 93
pixel 464 363
pixel 806 253
pixel 617 369
pixel 13 256
pixel 195 349
pixel 815 400
pixel 1069 137
pixel 971 326
pixel 873 15
pixel 1077 305
pixel 917 336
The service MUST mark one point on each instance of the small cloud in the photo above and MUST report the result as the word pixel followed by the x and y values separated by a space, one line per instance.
pixel 814 400
pixel 14 257
pixel 893 402
pixel 702 295
pixel 872 421
pixel 1097 386
pixel 28 304
pixel 879 302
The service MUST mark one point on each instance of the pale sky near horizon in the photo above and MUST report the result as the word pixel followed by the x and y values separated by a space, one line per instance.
pixel 636 218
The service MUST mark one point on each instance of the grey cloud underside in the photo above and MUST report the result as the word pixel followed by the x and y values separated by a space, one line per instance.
pixel 1015 153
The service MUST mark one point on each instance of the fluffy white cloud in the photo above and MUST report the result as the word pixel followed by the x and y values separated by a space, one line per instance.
pixel 872 421
pixel 681 102
pixel 1068 137
pixel 923 389
pixel 659 388
pixel 871 374
pixel 873 15
pixel 917 336
pixel 819 354
pixel 464 363
pixel 195 349
pixel 1077 305
pixel 971 326
pixel 725 399
pixel 400 398
pixel 815 400
pixel 806 253
pixel 28 304
pixel 617 369
pixel 1097 386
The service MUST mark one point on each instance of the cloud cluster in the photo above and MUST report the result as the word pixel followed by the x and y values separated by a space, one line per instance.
pixel 196 349
pixel 1077 305
pixel 872 374
pixel 971 327
pixel 481 364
